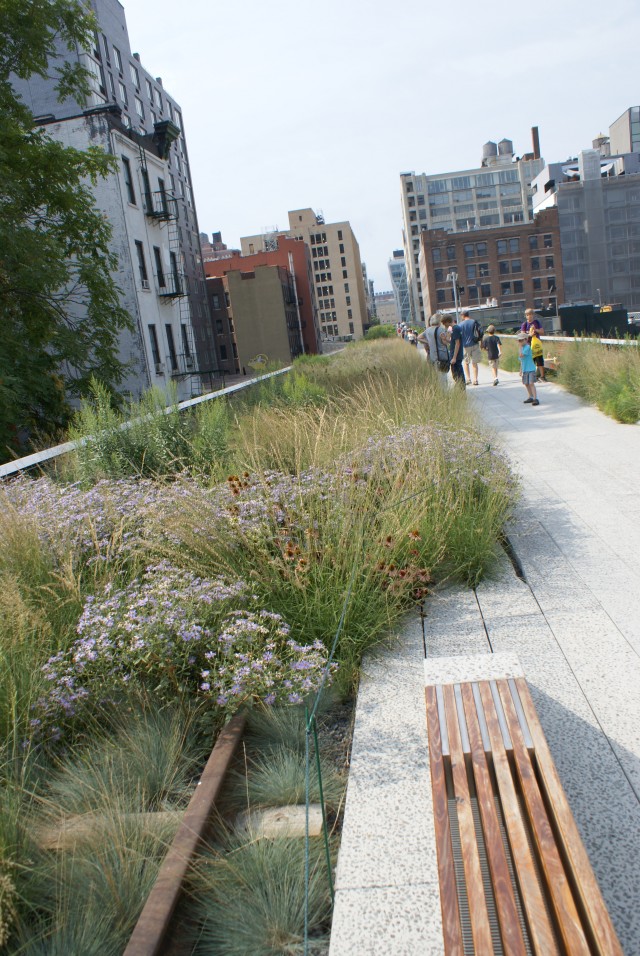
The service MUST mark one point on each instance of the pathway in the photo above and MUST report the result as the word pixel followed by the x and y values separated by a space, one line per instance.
pixel 574 622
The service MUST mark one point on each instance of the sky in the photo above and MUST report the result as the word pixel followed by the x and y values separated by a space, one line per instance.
pixel 323 103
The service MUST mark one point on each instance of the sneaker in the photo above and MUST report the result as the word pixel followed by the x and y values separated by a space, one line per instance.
pixel 535 402
pixel 496 382
pixel 528 401
pixel 475 383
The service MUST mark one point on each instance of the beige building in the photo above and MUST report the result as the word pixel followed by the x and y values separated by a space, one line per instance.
pixel 262 313
pixel 337 270
pixel 386 308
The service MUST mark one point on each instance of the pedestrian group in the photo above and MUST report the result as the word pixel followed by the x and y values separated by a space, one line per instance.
pixel 456 347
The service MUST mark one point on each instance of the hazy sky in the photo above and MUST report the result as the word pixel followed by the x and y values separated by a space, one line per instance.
pixel 322 103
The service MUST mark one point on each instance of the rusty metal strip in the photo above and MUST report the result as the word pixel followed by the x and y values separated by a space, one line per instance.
pixel 153 923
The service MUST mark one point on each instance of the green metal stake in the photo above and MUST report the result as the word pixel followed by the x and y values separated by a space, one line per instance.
pixel 325 828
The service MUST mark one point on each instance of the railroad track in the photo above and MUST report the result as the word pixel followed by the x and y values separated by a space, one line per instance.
pixel 152 935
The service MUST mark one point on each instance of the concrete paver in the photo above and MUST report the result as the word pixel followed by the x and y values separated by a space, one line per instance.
pixel 574 624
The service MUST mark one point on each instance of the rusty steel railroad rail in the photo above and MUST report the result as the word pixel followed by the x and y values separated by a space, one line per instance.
pixel 151 930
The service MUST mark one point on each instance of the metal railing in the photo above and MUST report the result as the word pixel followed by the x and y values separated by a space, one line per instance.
pixel 39 457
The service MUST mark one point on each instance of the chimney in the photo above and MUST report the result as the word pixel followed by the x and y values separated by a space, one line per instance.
pixel 536 142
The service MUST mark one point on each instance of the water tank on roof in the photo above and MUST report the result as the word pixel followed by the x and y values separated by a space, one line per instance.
pixel 489 149
pixel 505 147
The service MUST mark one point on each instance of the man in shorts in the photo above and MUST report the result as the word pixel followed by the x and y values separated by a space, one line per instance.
pixel 493 346
pixel 471 339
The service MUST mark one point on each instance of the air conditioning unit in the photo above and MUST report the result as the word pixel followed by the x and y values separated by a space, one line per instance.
pixel 189 362
pixel 145 283
pixel 159 368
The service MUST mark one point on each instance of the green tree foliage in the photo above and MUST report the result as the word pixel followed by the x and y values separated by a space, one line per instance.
pixel 60 311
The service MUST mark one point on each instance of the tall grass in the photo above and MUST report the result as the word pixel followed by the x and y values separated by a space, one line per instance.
pixel 604 375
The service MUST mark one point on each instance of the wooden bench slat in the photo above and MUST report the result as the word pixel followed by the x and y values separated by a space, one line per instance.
pixel 503 890
pixel 557 883
pixel 538 922
pixel 478 911
pixel 452 928
pixel 605 937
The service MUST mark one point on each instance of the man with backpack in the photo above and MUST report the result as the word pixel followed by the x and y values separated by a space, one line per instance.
pixel 472 333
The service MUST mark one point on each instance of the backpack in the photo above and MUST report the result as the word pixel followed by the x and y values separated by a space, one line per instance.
pixel 478 331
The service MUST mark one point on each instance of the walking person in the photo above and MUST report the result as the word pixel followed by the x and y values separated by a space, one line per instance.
pixel 471 338
pixel 428 337
pixel 537 351
pixel 456 353
pixel 493 347
pixel 528 368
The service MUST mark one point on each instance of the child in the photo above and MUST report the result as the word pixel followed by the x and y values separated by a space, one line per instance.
pixel 493 347
pixel 528 368
pixel 537 352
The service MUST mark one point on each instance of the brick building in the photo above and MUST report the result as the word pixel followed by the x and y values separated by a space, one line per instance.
pixel 292 255
pixel 518 266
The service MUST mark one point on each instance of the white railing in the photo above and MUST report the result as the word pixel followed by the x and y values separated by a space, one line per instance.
pixel 39 457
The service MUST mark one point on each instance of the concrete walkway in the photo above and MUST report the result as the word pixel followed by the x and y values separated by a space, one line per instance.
pixel 574 623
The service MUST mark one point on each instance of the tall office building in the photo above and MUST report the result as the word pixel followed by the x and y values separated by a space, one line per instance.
pixel 119 79
pixel 337 269
pixel 398 273
pixel 497 193
pixel 597 198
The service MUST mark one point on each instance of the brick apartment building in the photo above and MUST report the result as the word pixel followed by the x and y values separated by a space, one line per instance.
pixel 518 266
pixel 292 255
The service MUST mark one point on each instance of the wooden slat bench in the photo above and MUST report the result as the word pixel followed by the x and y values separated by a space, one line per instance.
pixel 514 874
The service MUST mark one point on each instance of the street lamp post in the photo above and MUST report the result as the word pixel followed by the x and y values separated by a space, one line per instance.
pixel 452 277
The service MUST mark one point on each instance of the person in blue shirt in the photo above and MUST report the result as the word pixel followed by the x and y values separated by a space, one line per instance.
pixel 471 344
pixel 528 367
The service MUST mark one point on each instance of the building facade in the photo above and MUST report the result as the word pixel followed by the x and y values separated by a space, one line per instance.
pixel 119 79
pixel 292 255
pixel 263 315
pixel 597 199
pixel 624 133
pixel 386 310
pixel 161 349
pixel 497 193
pixel 511 267
pixel 337 271
pixel 398 274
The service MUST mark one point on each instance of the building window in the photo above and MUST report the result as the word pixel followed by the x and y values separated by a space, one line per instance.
pixel 514 246
pixel 551 283
pixel 485 291
pixel 215 302
pixel 537 284
pixel 343 261
pixel 436 255
pixel 481 249
pixel 483 269
pixel 420 199
pixel 503 268
pixel 348 300
pixel 158 98
pixel 139 107
pixel 451 253
pixel 439 275
pixel 157 255
pixel 345 274
pixel 502 247
pixel 471 272
pixel 118 59
pixel 533 243
pixel 469 250
pixel 535 264
pixel 349 313
pixel 351 328
pixel 473 292
pixel 516 265
pixel 135 79
pixel 128 180
pixel 548 262
pixel 346 287
pixel 153 339
pixel 142 265
pixel 505 288
pixel 107 50
pixel 223 353
pixel 149 90
pixel 548 242
pixel 173 358
pixel 518 287
pixel 441 295
pixel 123 93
